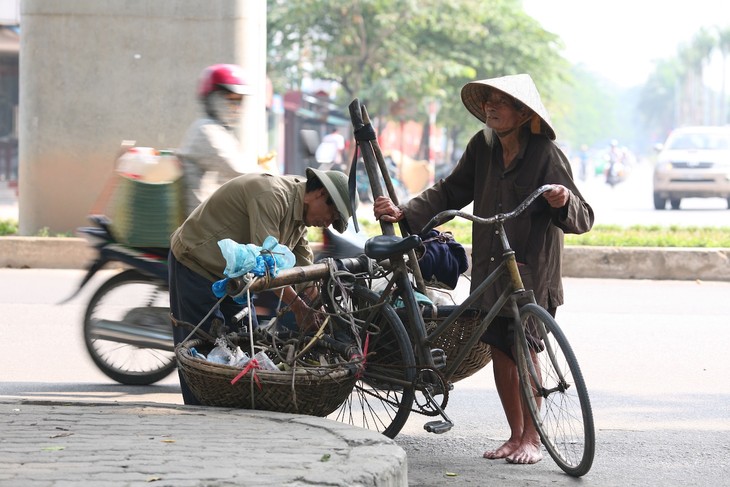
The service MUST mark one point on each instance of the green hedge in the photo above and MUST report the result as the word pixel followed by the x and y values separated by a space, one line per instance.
pixel 603 235
pixel 600 235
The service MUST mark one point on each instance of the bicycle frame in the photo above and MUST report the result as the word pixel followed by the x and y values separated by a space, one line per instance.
pixel 514 292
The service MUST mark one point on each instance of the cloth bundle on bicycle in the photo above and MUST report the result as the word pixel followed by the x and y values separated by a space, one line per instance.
pixel 441 259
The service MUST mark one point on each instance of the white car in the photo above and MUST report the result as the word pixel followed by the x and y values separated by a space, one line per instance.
pixel 694 162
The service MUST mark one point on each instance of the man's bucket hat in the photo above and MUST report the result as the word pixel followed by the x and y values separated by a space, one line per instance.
pixel 335 182
pixel 518 86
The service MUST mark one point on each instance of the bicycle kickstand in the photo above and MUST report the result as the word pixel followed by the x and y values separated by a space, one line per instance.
pixel 437 427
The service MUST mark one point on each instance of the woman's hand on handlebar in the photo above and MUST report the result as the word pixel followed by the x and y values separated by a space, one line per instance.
pixel 558 196
pixel 384 209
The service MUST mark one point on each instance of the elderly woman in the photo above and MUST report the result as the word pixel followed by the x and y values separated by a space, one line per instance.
pixel 503 163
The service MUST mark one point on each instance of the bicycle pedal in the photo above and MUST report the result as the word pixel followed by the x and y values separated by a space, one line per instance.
pixel 438 427
pixel 439 358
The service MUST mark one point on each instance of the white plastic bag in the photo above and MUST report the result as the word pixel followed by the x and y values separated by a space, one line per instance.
pixel 265 363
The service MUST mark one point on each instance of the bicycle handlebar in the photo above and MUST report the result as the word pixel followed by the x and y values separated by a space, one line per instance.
pixel 444 216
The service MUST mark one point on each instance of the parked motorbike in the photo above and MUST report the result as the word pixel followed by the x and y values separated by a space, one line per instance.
pixel 127 329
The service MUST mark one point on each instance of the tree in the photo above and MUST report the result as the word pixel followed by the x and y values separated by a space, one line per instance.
pixel 659 100
pixel 676 93
pixel 396 56
pixel 723 43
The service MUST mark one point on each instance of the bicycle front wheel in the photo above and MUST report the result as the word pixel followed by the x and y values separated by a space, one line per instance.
pixel 555 392
pixel 382 398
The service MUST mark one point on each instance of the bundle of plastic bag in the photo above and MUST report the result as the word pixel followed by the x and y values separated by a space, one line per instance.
pixel 241 259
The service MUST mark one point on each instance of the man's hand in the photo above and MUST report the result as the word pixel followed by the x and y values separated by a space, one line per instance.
pixel 558 196
pixel 308 319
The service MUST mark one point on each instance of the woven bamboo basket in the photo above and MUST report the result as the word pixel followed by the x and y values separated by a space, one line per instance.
pixel 452 340
pixel 314 391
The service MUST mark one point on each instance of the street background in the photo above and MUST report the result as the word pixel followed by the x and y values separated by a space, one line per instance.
pixel 651 352
pixel 628 203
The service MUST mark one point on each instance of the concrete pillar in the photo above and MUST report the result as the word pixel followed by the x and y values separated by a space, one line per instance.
pixel 96 72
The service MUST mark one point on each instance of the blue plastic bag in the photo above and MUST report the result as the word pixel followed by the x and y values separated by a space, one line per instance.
pixel 241 259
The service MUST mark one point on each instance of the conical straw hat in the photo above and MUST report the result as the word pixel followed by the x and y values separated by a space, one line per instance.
pixel 518 86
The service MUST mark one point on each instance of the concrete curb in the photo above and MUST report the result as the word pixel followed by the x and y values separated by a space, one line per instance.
pixel 711 264
pixel 77 443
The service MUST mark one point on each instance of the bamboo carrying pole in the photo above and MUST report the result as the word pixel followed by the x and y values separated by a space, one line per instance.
pixel 294 275
pixel 375 167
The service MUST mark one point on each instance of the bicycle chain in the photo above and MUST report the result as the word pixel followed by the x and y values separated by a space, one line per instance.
pixel 422 404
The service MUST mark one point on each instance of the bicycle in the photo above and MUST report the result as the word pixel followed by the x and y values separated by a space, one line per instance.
pixel 404 373
pixel 552 382
pixel 405 369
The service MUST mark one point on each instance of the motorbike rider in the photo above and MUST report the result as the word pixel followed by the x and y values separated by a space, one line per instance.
pixel 210 152
pixel 615 158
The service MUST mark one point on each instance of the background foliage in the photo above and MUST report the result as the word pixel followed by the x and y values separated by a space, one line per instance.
pixel 397 56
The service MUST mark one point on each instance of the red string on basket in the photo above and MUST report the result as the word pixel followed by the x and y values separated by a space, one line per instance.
pixel 361 370
pixel 253 364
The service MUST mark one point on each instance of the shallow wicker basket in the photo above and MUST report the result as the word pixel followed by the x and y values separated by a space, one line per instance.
pixel 456 336
pixel 315 391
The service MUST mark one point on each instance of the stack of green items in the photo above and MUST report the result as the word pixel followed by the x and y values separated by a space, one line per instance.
pixel 148 202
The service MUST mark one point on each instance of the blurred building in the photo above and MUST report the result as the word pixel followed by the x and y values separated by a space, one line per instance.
pixel 9 89
pixel 307 118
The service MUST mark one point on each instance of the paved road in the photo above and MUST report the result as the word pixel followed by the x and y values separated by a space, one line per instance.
pixel 650 351
pixel 8 202
pixel 631 203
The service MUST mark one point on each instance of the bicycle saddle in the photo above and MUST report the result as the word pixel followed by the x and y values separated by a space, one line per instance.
pixel 384 246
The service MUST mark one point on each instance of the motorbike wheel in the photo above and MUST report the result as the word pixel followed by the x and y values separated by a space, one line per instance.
pixel 127 329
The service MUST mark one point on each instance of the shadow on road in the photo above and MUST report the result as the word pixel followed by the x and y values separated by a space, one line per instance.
pixel 87 392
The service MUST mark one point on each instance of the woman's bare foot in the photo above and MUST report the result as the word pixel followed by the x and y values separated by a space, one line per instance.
pixel 503 451
pixel 526 453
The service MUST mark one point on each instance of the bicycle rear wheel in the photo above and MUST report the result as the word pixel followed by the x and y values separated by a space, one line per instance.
pixel 559 406
pixel 382 398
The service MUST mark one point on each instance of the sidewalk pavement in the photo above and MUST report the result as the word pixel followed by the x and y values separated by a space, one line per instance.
pixel 114 444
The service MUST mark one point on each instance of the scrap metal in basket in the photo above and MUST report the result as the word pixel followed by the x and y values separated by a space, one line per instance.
pixel 271 368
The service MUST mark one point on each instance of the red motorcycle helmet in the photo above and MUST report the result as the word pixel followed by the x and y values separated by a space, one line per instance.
pixel 223 76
